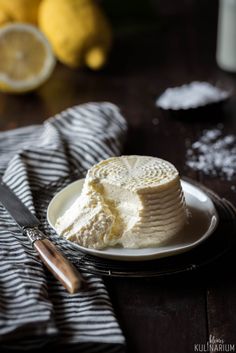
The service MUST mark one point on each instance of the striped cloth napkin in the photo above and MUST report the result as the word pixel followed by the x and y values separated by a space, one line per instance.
pixel 36 162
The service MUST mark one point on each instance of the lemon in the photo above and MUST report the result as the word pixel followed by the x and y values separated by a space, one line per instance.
pixel 26 56
pixel 19 11
pixel 78 31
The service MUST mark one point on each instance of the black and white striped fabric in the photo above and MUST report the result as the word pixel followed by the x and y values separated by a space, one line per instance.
pixel 36 162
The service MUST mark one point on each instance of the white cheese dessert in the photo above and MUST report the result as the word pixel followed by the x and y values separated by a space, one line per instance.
pixel 132 201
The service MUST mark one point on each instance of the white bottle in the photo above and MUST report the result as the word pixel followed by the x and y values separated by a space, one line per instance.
pixel 226 38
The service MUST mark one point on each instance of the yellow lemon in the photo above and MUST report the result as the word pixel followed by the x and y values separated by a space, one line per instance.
pixel 19 11
pixel 26 56
pixel 78 31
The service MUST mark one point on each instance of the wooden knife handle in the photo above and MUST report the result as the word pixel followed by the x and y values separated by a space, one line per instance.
pixel 60 267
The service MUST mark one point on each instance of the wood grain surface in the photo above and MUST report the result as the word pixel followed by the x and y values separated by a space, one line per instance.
pixel 172 314
pixel 60 267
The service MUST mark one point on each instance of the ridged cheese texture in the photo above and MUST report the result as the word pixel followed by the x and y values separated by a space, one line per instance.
pixel 129 201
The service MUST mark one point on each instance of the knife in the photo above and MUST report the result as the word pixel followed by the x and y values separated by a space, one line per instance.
pixel 52 258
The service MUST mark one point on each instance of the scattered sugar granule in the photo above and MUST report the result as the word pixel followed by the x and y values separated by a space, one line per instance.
pixel 193 95
pixel 214 154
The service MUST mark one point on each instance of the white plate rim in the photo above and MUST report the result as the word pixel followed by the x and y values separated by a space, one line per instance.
pixel 153 254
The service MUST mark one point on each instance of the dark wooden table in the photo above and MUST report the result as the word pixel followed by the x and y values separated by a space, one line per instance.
pixel 172 314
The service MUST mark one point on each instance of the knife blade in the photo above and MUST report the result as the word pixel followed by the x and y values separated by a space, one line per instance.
pixel 19 212
pixel 60 267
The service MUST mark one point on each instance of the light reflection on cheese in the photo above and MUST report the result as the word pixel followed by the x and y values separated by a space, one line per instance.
pixel 131 201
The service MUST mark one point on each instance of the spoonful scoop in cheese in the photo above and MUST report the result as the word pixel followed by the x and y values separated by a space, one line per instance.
pixel 131 201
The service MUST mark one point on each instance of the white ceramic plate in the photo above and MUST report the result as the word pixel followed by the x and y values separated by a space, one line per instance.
pixel 201 225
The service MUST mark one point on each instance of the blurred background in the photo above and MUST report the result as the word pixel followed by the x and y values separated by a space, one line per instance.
pixel 156 44
pixel 163 42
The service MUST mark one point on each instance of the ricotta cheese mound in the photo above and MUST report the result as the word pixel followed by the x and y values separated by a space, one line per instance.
pixel 131 201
